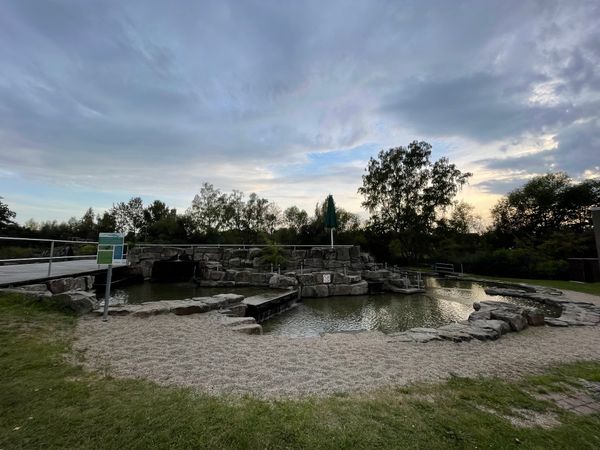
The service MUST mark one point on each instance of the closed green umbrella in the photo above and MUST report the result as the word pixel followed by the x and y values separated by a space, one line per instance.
pixel 330 218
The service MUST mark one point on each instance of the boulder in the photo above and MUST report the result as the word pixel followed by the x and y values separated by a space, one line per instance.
pixel 248 329
pixel 260 278
pixel 242 276
pixel 360 288
pixel 80 302
pixel 499 326
pixel 216 275
pixel 482 314
pixel 190 308
pixel 516 321
pixel 150 310
pixel 282 282
pixel 376 275
pixel 319 290
pixel 340 289
pixel 235 262
pixel 342 253
pixel 34 288
pixel 307 279
pixel 254 253
pixel 534 317
pixel 230 298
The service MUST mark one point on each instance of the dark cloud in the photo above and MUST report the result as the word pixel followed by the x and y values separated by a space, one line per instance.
pixel 191 90
pixel 577 151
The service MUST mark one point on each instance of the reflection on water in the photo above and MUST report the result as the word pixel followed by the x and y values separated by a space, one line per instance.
pixel 443 302
pixel 150 292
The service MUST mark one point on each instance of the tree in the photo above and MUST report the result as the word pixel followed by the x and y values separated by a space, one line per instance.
pixel 404 192
pixel 546 204
pixel 206 212
pixel 106 222
pixel 295 218
pixel 129 217
pixel 463 220
pixel 87 227
pixel 6 215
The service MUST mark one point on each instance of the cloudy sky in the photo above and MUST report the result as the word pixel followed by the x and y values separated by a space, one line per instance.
pixel 102 101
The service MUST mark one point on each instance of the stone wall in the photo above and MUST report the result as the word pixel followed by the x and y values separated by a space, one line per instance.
pixel 250 260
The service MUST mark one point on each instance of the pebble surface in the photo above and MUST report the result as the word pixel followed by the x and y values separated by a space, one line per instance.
pixel 198 352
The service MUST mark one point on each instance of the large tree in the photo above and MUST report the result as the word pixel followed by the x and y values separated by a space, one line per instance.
pixel 405 192
pixel 129 217
pixel 546 204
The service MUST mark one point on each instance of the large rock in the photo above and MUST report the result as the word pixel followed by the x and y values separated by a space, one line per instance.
pixel 340 289
pixel 282 282
pixel 61 285
pixel 516 321
pixel 499 326
pixel 534 317
pixel 319 290
pixel 376 275
pixel 343 253
pixel 216 275
pixel 229 298
pixel 360 288
pixel 187 308
pixel 307 279
pixel 34 288
pixel 260 278
pixel 80 302
pixel 243 276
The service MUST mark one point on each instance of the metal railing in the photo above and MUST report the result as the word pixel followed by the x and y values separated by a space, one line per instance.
pixel 51 257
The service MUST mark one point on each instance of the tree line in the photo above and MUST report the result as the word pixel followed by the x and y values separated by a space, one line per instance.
pixel 414 218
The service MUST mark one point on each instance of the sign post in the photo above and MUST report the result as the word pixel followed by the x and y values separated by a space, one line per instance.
pixel 110 248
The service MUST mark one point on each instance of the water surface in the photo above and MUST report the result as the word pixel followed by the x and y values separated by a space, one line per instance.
pixel 443 302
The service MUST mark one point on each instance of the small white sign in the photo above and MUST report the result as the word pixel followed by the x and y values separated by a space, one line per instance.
pixel 326 278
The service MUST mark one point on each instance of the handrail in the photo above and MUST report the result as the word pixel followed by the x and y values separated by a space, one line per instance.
pixel 7 238
pixel 47 258
pixel 168 244
pixel 240 245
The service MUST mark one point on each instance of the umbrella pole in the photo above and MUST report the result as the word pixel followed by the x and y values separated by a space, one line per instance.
pixel 332 238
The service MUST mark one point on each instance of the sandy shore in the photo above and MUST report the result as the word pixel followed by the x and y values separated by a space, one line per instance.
pixel 197 351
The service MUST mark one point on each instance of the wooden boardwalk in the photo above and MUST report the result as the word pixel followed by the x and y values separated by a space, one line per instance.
pixel 19 274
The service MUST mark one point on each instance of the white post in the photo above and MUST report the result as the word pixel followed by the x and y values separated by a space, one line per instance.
pixel 107 293
pixel 50 260
pixel 332 238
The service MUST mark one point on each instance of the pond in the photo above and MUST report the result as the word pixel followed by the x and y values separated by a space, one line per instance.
pixel 443 302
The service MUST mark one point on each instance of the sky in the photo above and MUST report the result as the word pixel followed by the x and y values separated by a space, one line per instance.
pixel 101 101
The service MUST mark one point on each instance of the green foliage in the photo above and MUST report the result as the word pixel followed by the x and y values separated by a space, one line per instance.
pixel 6 215
pixel 405 193
pixel 546 204
pixel 273 254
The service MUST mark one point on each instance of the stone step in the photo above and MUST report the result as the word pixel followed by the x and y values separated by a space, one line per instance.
pixel 248 329
pixel 237 321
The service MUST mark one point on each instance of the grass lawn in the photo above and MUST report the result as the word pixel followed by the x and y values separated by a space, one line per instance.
pixel 588 288
pixel 48 401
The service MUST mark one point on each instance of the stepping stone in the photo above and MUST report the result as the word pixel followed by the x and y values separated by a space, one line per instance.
pixel 236 321
pixel 248 329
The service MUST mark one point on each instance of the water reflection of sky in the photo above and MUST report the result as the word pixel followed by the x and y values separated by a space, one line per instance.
pixel 443 302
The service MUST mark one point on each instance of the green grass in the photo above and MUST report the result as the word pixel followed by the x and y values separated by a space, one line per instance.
pixel 48 401
pixel 588 288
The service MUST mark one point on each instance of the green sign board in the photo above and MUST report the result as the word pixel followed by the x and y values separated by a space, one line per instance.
pixel 110 247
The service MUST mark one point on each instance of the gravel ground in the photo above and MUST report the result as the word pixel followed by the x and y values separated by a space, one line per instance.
pixel 197 351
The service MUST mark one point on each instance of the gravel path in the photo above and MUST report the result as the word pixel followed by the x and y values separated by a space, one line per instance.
pixel 197 351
